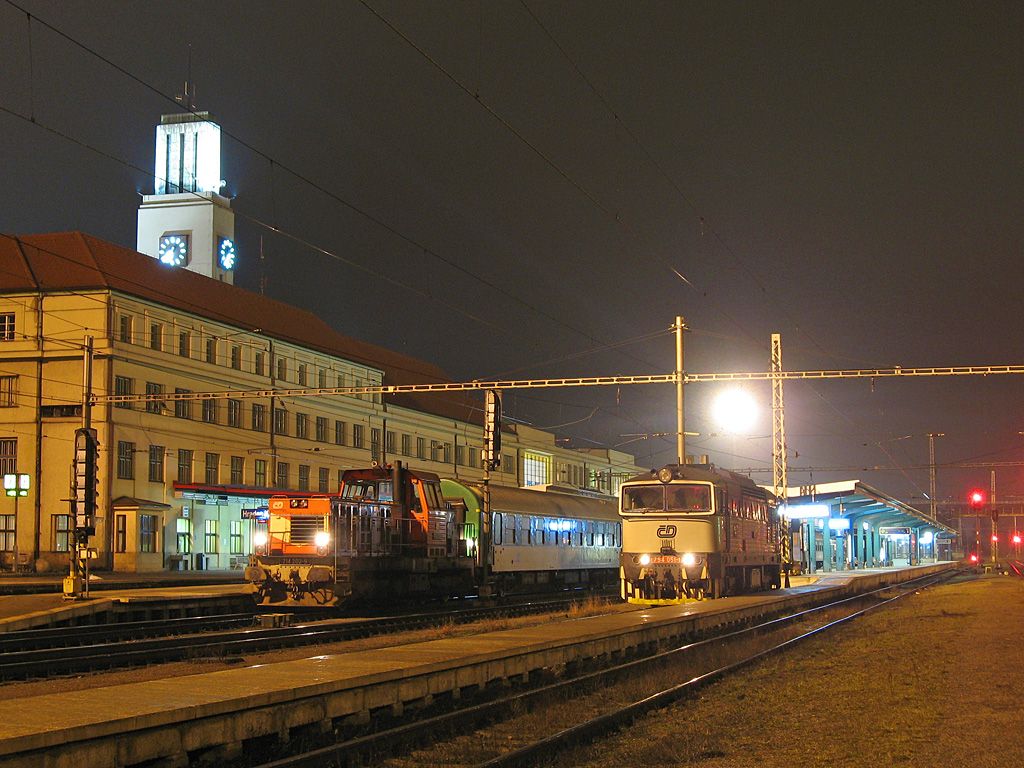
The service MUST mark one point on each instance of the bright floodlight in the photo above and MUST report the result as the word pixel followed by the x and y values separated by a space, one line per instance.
pixel 735 411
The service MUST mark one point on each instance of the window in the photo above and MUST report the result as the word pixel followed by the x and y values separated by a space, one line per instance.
pixel 183 408
pixel 508 463
pixel 303 477
pixel 282 474
pixel 302 425
pixel 536 468
pixel 282 369
pixel 125 460
pixel 60 536
pixel 324 480
pixel 156 336
pixel 122 386
pixel 357 435
pixel 121 533
pixel 125 329
pixel 341 475
pixel 258 365
pixel 339 432
pixel 184 465
pixel 260 473
pixel 421 448
pixel 185 344
pixel 156 463
pixel 9 391
pixel 183 533
pixel 460 455
pixel 210 543
pixel 236 541
pixel 375 443
pixel 154 406
pixel 435 450
pixel 7 533
pixel 234 413
pixel 321 379
pixel 259 417
pixel 446 451
pixel 212 468
pixel 302 374
pixel 321 429
pixel 236 357
pixel 8 456
pixel 211 350
pixel 237 470
pixel 147 533
pixel 6 326
pixel 280 421
pixel 210 411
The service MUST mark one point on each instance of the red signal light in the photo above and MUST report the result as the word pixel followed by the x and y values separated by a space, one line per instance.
pixel 974 558
pixel 976 498
pixel 994 537
pixel 1016 539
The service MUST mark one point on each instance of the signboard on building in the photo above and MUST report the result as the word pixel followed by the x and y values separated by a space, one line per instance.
pixel 255 513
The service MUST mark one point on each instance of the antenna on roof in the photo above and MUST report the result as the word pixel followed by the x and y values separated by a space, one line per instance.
pixel 187 99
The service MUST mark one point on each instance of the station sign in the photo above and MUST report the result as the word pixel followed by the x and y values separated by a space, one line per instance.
pixel 255 513
pixel 899 530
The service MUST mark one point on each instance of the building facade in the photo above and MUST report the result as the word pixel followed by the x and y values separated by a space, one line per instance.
pixel 179 479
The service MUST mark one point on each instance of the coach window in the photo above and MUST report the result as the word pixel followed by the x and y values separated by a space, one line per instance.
pixel 496 527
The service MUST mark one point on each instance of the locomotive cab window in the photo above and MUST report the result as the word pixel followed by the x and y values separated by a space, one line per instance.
pixel 688 498
pixel 643 498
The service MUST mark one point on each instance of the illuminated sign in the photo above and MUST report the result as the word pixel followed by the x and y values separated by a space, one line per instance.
pixel 894 531
pixel 804 511
pixel 839 523
pixel 255 513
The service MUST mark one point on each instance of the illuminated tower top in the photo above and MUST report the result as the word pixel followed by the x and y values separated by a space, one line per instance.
pixel 187 154
pixel 187 223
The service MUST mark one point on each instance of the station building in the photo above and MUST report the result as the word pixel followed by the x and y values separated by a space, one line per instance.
pixel 181 481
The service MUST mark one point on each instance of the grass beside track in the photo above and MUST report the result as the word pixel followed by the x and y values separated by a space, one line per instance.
pixel 933 681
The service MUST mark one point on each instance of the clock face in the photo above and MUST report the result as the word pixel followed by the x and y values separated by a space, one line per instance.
pixel 174 250
pixel 226 254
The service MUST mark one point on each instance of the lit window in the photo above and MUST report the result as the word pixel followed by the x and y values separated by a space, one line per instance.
pixel 6 326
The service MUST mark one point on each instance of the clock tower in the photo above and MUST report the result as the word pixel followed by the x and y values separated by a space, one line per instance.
pixel 187 223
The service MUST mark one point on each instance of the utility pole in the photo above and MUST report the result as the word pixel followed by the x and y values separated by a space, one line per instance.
pixel 995 516
pixel 931 470
pixel 780 480
pixel 679 327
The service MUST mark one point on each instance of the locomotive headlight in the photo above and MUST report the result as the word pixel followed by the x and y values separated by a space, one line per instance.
pixel 259 539
pixel 321 538
pixel 645 559
pixel 689 559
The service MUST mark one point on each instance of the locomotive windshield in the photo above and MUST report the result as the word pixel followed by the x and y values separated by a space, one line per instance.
pixel 675 497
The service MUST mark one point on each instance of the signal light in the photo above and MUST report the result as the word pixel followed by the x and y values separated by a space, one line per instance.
pixel 1016 538
pixel 84 481
pixel 974 558
pixel 976 499
pixel 994 537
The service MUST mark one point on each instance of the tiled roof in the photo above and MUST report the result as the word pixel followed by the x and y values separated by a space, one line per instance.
pixel 75 261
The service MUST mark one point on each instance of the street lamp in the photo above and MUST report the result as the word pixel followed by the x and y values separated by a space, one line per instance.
pixel 735 411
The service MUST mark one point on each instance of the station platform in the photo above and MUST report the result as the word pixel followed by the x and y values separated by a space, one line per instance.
pixel 36 602
pixel 173 721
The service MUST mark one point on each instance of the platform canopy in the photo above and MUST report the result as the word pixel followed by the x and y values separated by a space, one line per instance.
pixel 859 503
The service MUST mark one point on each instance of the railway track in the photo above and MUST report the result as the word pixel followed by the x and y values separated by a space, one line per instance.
pixel 50 652
pixel 498 718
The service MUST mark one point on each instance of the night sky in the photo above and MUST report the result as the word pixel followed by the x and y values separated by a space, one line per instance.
pixel 502 187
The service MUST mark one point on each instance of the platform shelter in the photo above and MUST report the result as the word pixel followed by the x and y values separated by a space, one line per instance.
pixel 849 525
